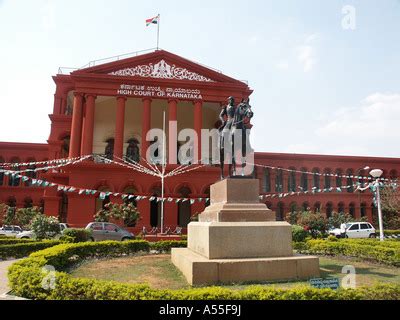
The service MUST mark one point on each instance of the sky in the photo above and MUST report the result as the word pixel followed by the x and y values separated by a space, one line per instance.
pixel 325 74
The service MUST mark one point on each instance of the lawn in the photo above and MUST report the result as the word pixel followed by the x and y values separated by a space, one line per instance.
pixel 159 272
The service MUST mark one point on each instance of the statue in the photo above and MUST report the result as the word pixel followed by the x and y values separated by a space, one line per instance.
pixel 234 118
pixel 132 151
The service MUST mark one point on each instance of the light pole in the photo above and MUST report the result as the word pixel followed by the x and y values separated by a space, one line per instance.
pixel 376 173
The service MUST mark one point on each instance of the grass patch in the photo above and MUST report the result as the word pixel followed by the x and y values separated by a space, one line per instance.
pixel 159 272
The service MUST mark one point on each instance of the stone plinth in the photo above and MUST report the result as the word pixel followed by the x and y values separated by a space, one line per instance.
pixel 236 240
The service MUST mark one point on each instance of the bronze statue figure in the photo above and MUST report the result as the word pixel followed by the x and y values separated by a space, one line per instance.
pixel 234 119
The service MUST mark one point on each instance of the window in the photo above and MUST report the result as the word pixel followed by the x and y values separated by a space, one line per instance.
pixel 364 226
pixel 304 180
pixel 280 212
pixel 352 210
pixel 1 173
pixel 292 180
pixel 110 227
pixel 96 226
pixel 279 180
pixel 327 178
pixel 370 226
pixel 349 174
pixel 363 209
pixel 341 207
pixel 329 209
pixel 109 150
pixel 316 178
pixel 354 227
pixel 317 207
pixel 267 181
pixel 338 179
pixel 133 151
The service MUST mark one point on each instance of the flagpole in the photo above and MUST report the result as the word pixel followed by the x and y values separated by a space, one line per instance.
pixel 158 30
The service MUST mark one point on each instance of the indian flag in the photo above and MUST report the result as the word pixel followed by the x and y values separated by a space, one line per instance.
pixel 152 20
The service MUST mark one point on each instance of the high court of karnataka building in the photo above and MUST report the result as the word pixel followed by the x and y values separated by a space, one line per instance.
pixel 108 108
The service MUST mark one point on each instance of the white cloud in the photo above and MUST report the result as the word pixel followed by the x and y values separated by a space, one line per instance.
pixel 306 53
pixel 48 11
pixel 282 65
pixel 370 128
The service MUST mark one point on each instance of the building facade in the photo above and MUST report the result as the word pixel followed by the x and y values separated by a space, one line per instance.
pixel 108 109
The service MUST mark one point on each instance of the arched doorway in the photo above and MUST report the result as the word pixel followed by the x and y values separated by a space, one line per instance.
pixel 184 211
pixel 155 208
pixel 63 210
pixel 101 203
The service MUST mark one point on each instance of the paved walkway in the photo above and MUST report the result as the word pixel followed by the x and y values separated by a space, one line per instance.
pixel 3 276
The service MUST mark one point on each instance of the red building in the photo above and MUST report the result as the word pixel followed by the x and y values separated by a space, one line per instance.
pixel 109 108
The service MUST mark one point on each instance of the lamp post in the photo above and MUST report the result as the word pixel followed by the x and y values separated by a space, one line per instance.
pixel 376 173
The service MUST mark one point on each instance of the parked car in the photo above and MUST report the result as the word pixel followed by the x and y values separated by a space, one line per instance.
pixel 29 234
pixel 10 231
pixel 108 231
pixel 354 230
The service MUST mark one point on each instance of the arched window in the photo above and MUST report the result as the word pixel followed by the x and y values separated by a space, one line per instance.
pixel 267 180
pixel 338 178
pixel 130 191
pixel 12 202
pixel 349 179
pixel 279 180
pixel 303 179
pixel 184 211
pixel 109 150
pixel 392 175
pixel 28 203
pixel 316 179
pixel 133 150
pixel 363 209
pixel 13 180
pixel 352 210
pixel 65 147
pixel 1 173
pixel 293 207
pixel 327 178
pixel 329 209
pixel 292 180
pixel 317 207
pixel 280 211
pixel 101 203
pixel 155 208
pixel 341 208
pixel 305 206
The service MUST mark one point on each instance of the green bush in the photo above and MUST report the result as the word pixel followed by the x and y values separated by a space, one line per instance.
pixel 389 233
pixel 77 235
pixel 24 248
pixel 9 240
pixel 165 246
pixel 387 252
pixel 45 227
pixel 298 233
pixel 26 277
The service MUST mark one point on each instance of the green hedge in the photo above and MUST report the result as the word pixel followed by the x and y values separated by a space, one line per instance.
pixel 165 246
pixel 20 250
pixel 4 241
pixel 77 235
pixel 387 252
pixel 26 278
pixel 389 233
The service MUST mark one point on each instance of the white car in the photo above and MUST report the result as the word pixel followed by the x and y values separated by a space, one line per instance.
pixel 10 231
pixel 354 230
pixel 29 234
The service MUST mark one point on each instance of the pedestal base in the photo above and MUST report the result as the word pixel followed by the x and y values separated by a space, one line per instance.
pixel 199 270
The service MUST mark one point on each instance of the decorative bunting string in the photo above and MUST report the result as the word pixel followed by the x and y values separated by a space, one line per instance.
pixel 25 164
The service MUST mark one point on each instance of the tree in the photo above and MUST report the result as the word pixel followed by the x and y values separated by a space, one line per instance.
pixel 390 202
pixel 125 213
pixel 336 219
pixel 315 223
pixel 24 216
pixel 45 227
pixel 8 214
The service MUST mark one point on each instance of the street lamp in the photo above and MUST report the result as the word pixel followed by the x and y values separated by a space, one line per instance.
pixel 376 173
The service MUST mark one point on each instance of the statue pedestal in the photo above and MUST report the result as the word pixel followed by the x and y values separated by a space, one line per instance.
pixel 238 240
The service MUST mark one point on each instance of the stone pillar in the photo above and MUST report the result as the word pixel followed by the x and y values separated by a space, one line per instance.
pixel 57 104
pixel 87 135
pixel 76 127
pixel 172 131
pixel 198 124
pixel 119 128
pixel 146 124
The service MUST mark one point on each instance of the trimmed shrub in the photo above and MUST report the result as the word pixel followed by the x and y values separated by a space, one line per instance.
pixel 298 233
pixel 77 235
pixel 165 246
pixel 23 249
pixel 26 277
pixel 387 252
pixel 9 240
